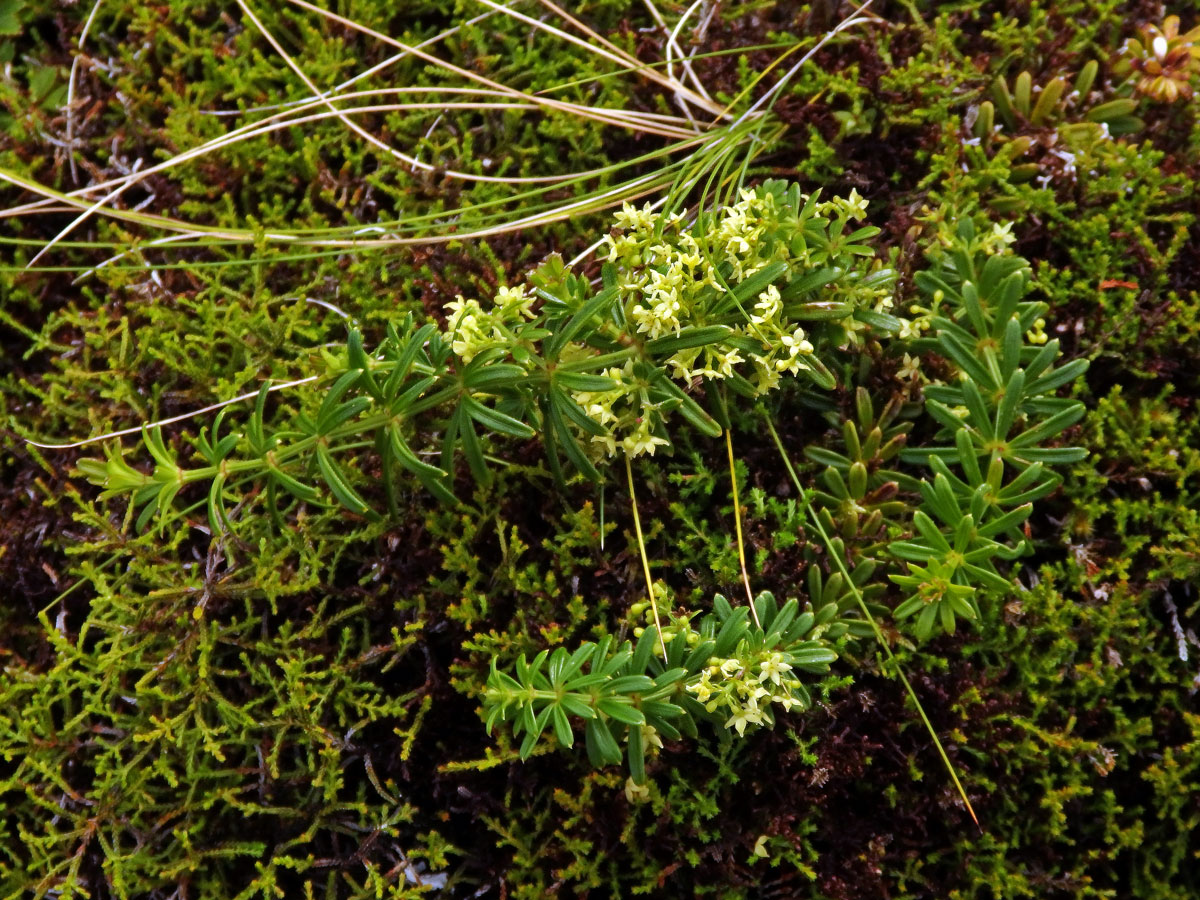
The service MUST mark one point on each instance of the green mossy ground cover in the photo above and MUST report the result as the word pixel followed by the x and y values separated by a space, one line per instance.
pixel 295 710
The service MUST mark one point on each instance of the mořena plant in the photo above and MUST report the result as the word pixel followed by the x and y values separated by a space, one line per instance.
pixel 689 310
pixel 686 316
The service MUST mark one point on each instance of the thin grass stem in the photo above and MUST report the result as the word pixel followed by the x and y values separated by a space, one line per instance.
pixel 180 418
pixel 641 542
pixel 737 519
pixel 806 494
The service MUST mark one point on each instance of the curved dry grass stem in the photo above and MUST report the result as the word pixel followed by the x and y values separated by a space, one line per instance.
pixel 699 98
pixel 366 73
pixel 860 16
pixel 70 104
pixel 281 121
pixel 250 130
pixel 673 43
pixel 587 112
pixel 629 190
pixel 651 123
pixel 180 418
pixel 680 101
pixel 532 206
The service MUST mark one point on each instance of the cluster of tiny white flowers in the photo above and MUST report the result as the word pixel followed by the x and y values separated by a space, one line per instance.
pixel 474 329
pixel 620 412
pixel 922 317
pixel 664 273
pixel 658 313
pixel 665 268
pixel 910 368
pixel 854 206
pixel 469 333
pixel 912 328
pixel 598 405
pixel 787 341
pixel 746 686
pixel 671 276
pixel 715 361
pixel 739 233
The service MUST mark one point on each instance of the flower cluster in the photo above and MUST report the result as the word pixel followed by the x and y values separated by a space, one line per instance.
pixel 473 329
pixel 674 275
pixel 788 342
pixel 746 686
pixel 745 294
pixel 621 412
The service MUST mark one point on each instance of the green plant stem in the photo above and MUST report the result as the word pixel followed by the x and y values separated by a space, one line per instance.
pixel 305 443
pixel 805 494
pixel 604 360
pixel 737 520
pixel 637 526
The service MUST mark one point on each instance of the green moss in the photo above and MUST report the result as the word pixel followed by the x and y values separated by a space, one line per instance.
pixel 295 711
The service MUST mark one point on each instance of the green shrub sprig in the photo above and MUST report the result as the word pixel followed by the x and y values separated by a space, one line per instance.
pixel 588 372
pixel 726 671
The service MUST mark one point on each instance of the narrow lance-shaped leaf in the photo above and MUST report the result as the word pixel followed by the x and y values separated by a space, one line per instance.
pixel 1006 411
pixel 574 412
pixel 495 420
pixel 636 751
pixel 1049 428
pixel 687 339
pixel 359 362
pixel 340 485
pixel 563 437
pixel 602 747
pixel 964 357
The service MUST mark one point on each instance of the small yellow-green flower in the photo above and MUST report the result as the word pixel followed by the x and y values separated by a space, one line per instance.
pixel 774 667
pixel 743 717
